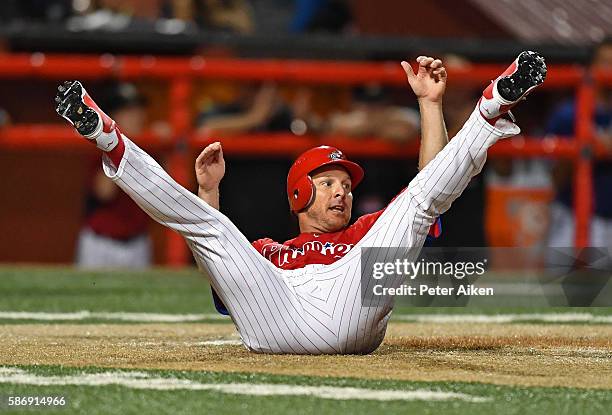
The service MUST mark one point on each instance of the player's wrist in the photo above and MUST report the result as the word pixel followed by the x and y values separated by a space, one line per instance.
pixel 208 190
pixel 210 196
pixel 429 102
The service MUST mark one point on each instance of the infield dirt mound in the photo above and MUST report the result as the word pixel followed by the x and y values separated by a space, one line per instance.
pixel 511 354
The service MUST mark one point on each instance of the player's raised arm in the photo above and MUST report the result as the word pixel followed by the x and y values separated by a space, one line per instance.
pixel 210 169
pixel 429 84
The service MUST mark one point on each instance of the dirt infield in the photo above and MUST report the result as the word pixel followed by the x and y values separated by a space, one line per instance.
pixel 508 354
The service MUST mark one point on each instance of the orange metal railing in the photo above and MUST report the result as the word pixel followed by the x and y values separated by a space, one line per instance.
pixel 181 72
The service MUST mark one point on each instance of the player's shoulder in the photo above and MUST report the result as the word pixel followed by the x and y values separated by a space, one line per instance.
pixel 364 223
pixel 369 217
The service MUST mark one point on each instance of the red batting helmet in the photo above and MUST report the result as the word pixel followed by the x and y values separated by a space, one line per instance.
pixel 300 189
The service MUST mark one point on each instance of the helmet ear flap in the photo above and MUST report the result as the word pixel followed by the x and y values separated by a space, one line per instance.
pixel 303 194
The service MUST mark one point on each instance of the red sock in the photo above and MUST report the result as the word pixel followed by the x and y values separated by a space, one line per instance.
pixel 116 154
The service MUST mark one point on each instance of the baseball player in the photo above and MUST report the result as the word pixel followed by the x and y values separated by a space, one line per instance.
pixel 304 295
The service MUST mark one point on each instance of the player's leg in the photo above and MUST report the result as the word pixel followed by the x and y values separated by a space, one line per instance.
pixel 407 219
pixel 260 302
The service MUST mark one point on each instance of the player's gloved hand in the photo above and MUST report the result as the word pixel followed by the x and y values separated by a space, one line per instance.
pixel 210 169
pixel 429 82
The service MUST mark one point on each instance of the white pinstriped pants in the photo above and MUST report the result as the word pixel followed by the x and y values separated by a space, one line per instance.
pixel 316 309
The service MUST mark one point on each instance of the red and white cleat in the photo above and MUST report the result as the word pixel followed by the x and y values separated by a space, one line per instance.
pixel 76 106
pixel 526 73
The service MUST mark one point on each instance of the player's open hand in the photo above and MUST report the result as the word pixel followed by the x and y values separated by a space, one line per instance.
pixel 429 82
pixel 210 167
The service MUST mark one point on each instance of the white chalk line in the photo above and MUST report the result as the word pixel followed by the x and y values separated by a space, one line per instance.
pixel 145 343
pixel 121 316
pixel 505 318
pixel 234 342
pixel 425 318
pixel 219 342
pixel 142 380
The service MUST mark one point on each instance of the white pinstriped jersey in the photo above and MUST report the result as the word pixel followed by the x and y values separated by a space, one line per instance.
pixel 318 308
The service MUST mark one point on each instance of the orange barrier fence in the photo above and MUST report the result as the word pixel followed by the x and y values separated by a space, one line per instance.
pixel 181 73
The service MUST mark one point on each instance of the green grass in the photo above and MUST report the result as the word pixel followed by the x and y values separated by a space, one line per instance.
pixel 118 399
pixel 68 289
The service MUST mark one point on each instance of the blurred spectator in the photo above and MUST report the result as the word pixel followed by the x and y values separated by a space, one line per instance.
pixel 115 230
pixel 112 15
pixel 330 16
pixel 5 119
pixel 264 109
pixel 562 123
pixel 35 10
pixel 258 109
pixel 165 16
pixel 373 115
pixel 116 15
pixel 224 15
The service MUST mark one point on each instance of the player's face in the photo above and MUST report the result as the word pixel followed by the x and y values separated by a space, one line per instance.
pixel 331 209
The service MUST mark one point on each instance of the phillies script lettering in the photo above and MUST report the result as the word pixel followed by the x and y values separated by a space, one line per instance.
pixel 280 254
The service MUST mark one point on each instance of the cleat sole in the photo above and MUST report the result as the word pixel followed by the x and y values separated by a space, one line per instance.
pixel 530 72
pixel 70 106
